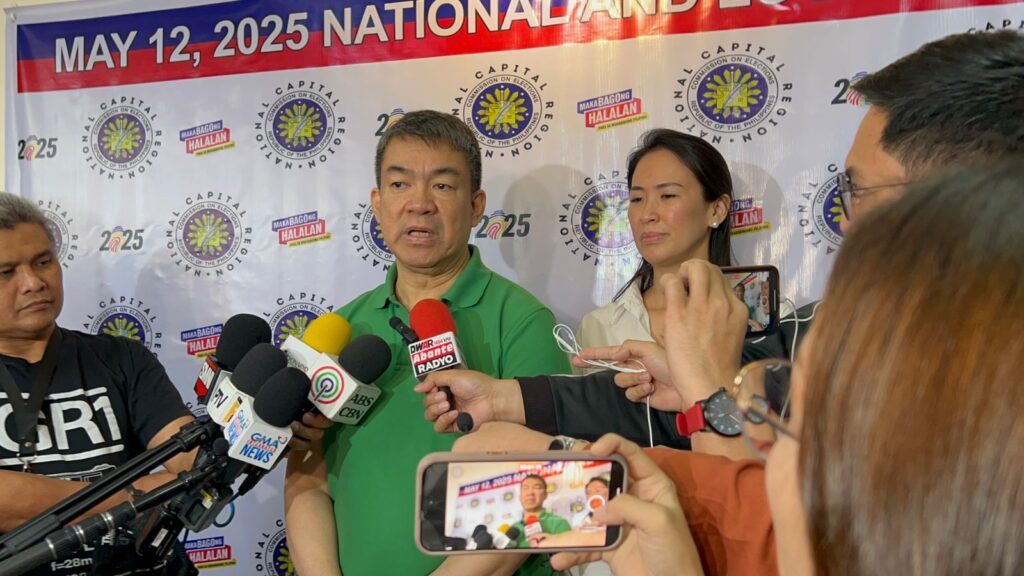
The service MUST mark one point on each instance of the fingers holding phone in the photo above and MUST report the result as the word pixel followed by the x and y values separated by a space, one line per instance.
pixel 658 540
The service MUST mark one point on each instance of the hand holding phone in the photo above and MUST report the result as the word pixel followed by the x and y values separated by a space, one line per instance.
pixel 546 501
pixel 658 540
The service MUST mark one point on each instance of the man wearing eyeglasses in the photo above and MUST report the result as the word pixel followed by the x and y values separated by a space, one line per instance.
pixel 952 102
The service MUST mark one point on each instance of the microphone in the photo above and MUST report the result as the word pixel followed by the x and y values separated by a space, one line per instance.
pixel 507 537
pixel 247 379
pixel 240 333
pixel 437 348
pixel 327 334
pixel 259 431
pixel 407 334
pixel 341 390
pixel 257 436
pixel 532 527
pixel 481 539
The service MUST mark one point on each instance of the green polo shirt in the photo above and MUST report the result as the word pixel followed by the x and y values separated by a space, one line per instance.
pixel 550 523
pixel 371 468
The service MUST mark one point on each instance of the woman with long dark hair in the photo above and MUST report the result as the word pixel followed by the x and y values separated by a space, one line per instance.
pixel 680 192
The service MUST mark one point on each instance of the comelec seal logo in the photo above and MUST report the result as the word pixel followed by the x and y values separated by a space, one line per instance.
pixel 209 236
pixel 125 317
pixel 366 235
pixel 301 126
pixel 595 224
pixel 121 141
pixel 294 313
pixel 506 108
pixel 821 211
pixel 272 555
pixel 735 94
pixel 59 222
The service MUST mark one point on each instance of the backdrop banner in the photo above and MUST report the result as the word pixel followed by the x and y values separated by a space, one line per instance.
pixel 202 159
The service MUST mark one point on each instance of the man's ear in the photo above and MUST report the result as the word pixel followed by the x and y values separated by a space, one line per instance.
pixel 479 205
pixel 375 200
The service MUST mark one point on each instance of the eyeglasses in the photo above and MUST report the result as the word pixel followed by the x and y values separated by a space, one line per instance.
pixel 761 394
pixel 847 191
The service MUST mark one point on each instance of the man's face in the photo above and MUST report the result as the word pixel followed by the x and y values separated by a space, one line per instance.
pixel 31 293
pixel 424 204
pixel 596 488
pixel 869 165
pixel 532 493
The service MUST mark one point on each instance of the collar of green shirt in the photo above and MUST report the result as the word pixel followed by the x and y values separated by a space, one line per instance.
pixel 466 292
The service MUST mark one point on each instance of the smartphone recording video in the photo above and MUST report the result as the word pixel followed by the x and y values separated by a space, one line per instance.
pixel 544 502
pixel 758 288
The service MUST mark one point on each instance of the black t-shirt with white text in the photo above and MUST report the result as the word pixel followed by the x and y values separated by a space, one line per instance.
pixel 108 398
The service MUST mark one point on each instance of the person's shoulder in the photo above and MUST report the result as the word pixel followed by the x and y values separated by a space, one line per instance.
pixel 359 303
pixel 602 316
pixel 519 299
pixel 103 346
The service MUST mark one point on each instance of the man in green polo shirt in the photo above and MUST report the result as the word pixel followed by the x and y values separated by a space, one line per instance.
pixel 533 491
pixel 350 503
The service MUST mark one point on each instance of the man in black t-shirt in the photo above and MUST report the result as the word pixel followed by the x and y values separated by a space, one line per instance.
pixel 108 399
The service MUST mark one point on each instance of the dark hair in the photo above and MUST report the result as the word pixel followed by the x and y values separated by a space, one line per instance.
pixel 711 170
pixel 909 457
pixel 535 477
pixel 600 479
pixel 16 210
pixel 433 127
pixel 956 100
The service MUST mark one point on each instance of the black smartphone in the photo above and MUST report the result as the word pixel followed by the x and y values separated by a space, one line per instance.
pixel 758 288
pixel 541 502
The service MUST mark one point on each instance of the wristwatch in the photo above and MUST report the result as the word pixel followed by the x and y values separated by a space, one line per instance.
pixel 718 414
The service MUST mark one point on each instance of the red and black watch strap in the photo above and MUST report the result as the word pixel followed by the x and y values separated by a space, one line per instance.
pixel 691 421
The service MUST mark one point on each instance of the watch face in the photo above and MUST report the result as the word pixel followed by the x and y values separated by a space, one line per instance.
pixel 722 415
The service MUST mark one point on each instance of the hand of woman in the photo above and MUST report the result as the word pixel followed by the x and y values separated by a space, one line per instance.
pixel 705 324
pixel 655 382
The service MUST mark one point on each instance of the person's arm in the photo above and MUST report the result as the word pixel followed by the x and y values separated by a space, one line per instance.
pixel 590 406
pixel 704 334
pixel 583 407
pixel 309 514
pixel 726 506
pixel 24 496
